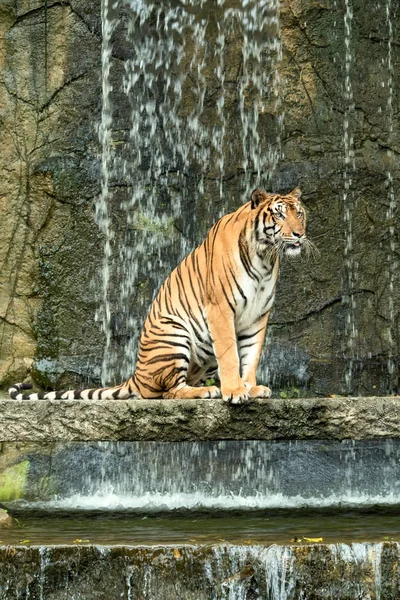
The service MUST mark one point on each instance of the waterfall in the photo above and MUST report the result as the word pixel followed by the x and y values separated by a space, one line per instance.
pixel 102 205
pixel 200 572
pixel 184 116
pixel 391 209
pixel 224 476
pixel 349 301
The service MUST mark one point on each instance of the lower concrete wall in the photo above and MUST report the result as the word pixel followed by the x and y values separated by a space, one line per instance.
pixel 157 477
pixel 223 572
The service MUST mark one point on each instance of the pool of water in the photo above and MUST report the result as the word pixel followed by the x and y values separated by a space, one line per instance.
pixel 279 529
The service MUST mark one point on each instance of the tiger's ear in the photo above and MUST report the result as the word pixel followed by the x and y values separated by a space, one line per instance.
pixel 296 193
pixel 257 197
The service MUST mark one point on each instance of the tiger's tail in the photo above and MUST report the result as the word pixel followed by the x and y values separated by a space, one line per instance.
pixel 119 392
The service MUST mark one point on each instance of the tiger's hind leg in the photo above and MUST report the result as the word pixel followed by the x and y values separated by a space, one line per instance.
pixel 186 388
pixel 187 391
pixel 177 383
pixel 166 374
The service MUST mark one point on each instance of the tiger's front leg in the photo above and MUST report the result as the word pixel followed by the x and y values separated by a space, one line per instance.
pixel 221 324
pixel 250 344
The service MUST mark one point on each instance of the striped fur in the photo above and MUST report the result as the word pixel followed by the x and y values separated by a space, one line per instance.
pixel 211 312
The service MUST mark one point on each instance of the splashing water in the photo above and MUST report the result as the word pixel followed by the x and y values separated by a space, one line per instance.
pixel 224 475
pixel 173 96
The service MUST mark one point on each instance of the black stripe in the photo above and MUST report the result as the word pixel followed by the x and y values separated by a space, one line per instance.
pixel 248 336
pixel 245 258
pixel 240 210
pixel 238 286
pixel 188 306
pixel 167 334
pixel 167 321
pixel 227 299
pixel 163 345
pixel 214 232
pixel 147 386
pixel 167 358
pixel 228 281
pixel 270 297
pixel 206 352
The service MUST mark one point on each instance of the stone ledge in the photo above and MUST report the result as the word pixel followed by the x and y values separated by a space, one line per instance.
pixel 196 420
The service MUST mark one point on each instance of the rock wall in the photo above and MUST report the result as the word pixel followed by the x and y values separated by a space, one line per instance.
pixel 317 572
pixel 51 248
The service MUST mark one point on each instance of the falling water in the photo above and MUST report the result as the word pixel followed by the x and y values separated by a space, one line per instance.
pixel 391 210
pixel 224 476
pixel 351 333
pixel 102 205
pixel 200 572
pixel 172 141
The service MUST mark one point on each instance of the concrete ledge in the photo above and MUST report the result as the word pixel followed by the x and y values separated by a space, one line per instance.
pixel 196 420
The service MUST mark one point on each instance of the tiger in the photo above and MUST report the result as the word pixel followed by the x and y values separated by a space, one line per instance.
pixel 210 314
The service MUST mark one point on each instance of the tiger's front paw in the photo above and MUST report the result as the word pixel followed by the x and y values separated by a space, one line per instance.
pixel 260 391
pixel 213 391
pixel 236 396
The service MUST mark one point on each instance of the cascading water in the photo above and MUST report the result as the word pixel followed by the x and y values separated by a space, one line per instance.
pixel 220 572
pixel 349 301
pixel 102 206
pixel 182 112
pixel 222 476
pixel 391 209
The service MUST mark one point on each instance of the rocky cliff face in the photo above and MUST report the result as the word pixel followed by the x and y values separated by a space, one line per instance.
pixel 336 314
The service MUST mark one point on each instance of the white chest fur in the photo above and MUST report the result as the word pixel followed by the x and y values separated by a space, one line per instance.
pixel 259 300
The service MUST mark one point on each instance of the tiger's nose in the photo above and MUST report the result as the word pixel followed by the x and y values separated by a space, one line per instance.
pixel 296 234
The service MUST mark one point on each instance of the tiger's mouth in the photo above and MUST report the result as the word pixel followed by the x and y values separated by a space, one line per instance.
pixel 292 248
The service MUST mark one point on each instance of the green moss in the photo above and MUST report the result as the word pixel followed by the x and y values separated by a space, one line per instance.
pixel 47 486
pixel 153 225
pixel 13 481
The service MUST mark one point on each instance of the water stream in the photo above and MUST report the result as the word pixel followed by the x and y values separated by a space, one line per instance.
pixel 391 208
pixel 222 477
pixel 349 298
pixel 218 572
pixel 184 110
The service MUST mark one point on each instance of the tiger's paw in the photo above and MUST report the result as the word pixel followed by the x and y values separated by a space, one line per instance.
pixel 212 392
pixel 239 395
pixel 260 391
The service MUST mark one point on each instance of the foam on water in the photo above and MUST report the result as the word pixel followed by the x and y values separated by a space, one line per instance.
pixel 224 475
pixel 154 502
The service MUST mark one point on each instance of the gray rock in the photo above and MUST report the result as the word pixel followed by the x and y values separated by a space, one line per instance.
pixel 177 420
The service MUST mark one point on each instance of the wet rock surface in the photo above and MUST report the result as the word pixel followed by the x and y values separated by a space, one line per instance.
pixel 50 94
pixel 224 477
pixel 173 420
pixel 6 520
pixel 315 572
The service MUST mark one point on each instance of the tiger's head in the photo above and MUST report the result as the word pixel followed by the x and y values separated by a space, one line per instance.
pixel 279 222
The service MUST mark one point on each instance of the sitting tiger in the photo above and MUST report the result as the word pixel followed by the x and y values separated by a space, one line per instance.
pixel 212 311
